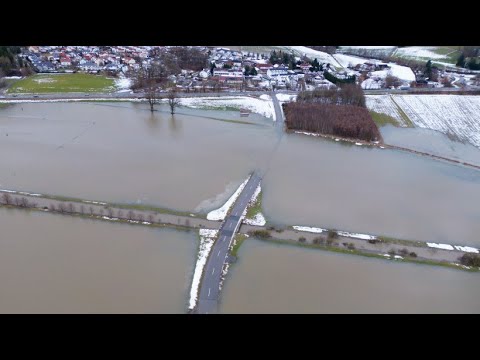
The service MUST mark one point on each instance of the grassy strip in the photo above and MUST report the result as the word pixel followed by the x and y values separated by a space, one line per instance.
pixel 370 255
pixel 255 208
pixel 404 116
pixel 384 119
pixel 62 83
pixel 391 240
pixel 140 207
pixel 239 239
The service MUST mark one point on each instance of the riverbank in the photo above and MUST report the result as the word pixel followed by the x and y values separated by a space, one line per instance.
pixel 144 215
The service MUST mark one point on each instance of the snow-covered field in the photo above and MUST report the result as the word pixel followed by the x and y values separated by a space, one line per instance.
pixel 207 238
pixel 346 60
pixel 457 114
pixel 319 55
pixel 286 97
pixel 262 106
pixel 402 72
pixel 384 104
pixel 357 236
pixel 219 214
pixel 425 52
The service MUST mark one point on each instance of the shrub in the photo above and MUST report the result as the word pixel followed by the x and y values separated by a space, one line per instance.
pixel 302 239
pixel 403 252
pixel 351 246
pixel 319 240
pixel 470 259
pixel 332 234
pixel 263 234
pixel 413 254
pixel 392 252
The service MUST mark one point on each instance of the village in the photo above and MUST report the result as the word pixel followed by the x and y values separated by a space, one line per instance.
pixel 225 68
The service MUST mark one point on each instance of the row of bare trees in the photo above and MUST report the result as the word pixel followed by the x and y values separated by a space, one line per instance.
pixel 339 120
pixel 7 199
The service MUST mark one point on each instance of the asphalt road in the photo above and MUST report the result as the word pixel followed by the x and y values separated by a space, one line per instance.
pixel 210 284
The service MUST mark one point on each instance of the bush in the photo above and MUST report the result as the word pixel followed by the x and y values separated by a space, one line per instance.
pixel 332 234
pixel 263 234
pixel 351 246
pixel 403 252
pixel 302 239
pixel 319 240
pixel 392 252
pixel 413 254
pixel 470 260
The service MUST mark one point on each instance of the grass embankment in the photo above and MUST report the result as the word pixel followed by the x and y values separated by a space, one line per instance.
pixel 404 116
pixel 255 208
pixel 140 207
pixel 63 83
pixel 338 249
pixel 239 239
pixel 382 119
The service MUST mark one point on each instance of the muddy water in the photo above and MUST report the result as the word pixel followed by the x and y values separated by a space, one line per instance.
pixel 61 264
pixel 386 192
pixel 121 152
pixel 271 278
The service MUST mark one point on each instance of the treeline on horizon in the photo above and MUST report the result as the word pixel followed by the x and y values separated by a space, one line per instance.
pixel 340 112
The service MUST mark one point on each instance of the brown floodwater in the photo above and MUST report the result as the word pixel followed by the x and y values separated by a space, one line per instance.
pixel 272 278
pixel 61 264
pixel 194 161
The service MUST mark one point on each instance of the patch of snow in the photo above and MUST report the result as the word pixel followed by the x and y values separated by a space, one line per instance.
pixel 370 84
pixel 192 214
pixel 286 97
pixel 207 238
pixel 219 214
pixel 386 255
pixel 402 72
pixel 357 236
pixel 12 77
pixel 123 83
pixel 309 229
pixel 94 202
pixel 398 257
pixel 440 246
pixel 307 133
pixel 146 223
pixel 466 249
pixel 8 191
pixel 359 144
pixel 258 220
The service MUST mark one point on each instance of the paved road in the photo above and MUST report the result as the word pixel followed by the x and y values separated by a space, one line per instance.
pixel 278 110
pixel 210 284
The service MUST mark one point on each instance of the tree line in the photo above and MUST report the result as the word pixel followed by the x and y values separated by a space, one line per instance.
pixel 339 120
pixel 347 94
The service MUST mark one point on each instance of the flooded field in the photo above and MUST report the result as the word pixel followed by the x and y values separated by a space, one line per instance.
pixel 270 278
pixel 62 264
pixel 194 162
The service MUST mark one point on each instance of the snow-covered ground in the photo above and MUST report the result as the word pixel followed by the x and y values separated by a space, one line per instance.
pixel 457 114
pixel 219 214
pixel 258 219
pixel 371 84
pixel 123 83
pixel 466 249
pixel 207 238
pixel 262 106
pixel 425 52
pixel 286 97
pixel 440 246
pixel 346 60
pixel 309 229
pixel 384 104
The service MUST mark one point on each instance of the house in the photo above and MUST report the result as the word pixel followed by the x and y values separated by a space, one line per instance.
pixel 65 61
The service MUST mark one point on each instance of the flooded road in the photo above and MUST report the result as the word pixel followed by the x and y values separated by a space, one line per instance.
pixel 61 264
pixel 194 162
pixel 271 278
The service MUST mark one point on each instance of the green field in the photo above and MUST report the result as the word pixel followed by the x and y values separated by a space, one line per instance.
pixel 61 83
pixel 451 54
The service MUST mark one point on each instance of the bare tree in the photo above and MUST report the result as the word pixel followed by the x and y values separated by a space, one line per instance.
pixel 6 199
pixel 130 215
pixel 51 207
pixel 71 208
pixel 151 94
pixel 110 212
pixel 150 218
pixel 17 201
pixel 82 209
pixel 120 214
pixel 100 212
pixel 91 210
pixel 173 100
pixel 140 217
pixel 187 222
pixel 24 202
pixel 61 207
